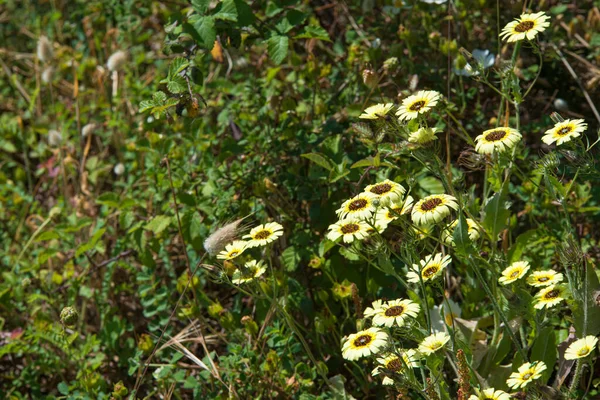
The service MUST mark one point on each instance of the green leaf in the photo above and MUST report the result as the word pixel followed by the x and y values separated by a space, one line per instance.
pixel 321 160
pixel 244 12
pixel 367 162
pixel 460 236
pixel 545 349
pixel 431 185
pixel 63 388
pixel 91 243
pixel 200 6
pixel 146 105
pixel 228 11
pixel 178 65
pixel 517 249
pixel 496 214
pixel 290 259
pixel 158 224
pixel 349 255
pixel 159 97
pixel 277 46
pixel 205 26
pixel 177 84
pixel 314 32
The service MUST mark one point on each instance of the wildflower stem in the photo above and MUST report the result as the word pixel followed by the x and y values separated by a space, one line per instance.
pixel 576 377
pixel 498 310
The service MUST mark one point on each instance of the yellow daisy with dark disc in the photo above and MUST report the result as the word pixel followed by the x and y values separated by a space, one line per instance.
pixel 564 131
pixel 364 343
pixel 527 26
pixel 497 140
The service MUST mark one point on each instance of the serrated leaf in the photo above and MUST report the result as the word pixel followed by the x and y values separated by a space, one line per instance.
pixel 158 224
pixel 277 47
pixel 205 26
pixel 178 65
pixel 177 84
pixel 314 32
pixel 159 97
pixel 228 11
pixel 290 259
pixel 349 255
pixel 146 105
pixel 362 129
pixel 321 160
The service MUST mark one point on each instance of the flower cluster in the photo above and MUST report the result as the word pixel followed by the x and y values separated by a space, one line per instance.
pixel 259 236
pixel 552 293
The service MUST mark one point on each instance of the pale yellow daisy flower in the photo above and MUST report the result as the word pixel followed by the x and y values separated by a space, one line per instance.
pixel 581 348
pixel 544 278
pixel 433 343
pixel 361 206
pixel 550 296
pixel 431 267
pixel 526 374
pixel 395 364
pixel 387 191
pixel 395 210
pixel 348 229
pixel 386 313
pixel 527 26
pixel 253 269
pixel 377 111
pixel 489 394
pixel 419 103
pixel 232 250
pixel 515 271
pixel 364 343
pixel 432 209
pixel 564 131
pixel 497 139
pixel 264 234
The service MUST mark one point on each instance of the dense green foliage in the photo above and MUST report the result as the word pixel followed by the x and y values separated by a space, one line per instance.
pixel 115 170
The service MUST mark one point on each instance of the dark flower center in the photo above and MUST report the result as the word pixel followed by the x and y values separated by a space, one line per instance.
pixel 524 26
pixel 350 228
pixel 262 234
pixel 431 204
pixel 381 189
pixel 430 271
pixel 495 135
pixel 233 253
pixel 564 131
pixel 527 376
pixel 362 340
pixel 417 105
pixel 394 311
pixel 552 294
pixel 358 204
pixel 394 365
pixel 543 279
pixel 515 274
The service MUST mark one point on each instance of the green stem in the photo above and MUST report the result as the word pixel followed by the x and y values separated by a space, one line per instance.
pixel 498 309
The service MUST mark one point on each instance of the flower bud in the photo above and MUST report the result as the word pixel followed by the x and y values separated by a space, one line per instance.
pixel 54 138
pixel 119 169
pixel 68 316
pixel 44 49
pixel 117 61
pixel 47 75
pixel 391 65
pixel 370 78
pixel 88 129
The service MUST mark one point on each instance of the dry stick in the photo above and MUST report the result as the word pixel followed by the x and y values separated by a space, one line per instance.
pixel 574 75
